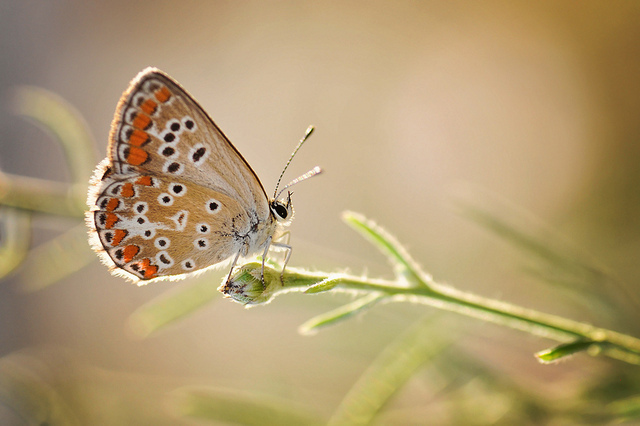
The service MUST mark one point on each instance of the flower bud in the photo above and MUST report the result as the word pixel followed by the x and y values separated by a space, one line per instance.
pixel 246 285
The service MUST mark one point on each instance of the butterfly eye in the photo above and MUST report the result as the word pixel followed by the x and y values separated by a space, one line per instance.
pixel 280 210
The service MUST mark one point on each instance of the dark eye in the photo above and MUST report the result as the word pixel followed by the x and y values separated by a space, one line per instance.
pixel 280 210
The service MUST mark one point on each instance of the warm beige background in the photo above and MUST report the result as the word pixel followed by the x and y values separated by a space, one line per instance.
pixel 534 104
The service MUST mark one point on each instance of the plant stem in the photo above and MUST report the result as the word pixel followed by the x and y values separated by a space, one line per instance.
pixel 250 287
pixel 445 297
pixel 42 196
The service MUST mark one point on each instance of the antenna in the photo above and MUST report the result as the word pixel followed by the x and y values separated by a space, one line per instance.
pixel 311 173
pixel 310 130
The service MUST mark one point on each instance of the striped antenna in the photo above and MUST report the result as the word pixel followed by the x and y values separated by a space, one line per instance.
pixel 311 173
pixel 310 130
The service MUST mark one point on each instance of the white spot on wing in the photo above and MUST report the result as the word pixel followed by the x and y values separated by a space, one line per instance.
pixel 151 85
pixel 165 199
pixel 198 154
pixel 162 243
pixel 180 219
pixel 172 167
pixel 168 151
pixel 123 132
pixel 150 231
pixel 138 100
pixel 201 244
pixel 174 139
pixel 130 115
pixel 212 206
pixel 163 260
pixel 203 228
pixel 175 126
pixel 185 123
pixel 141 207
pixel 177 189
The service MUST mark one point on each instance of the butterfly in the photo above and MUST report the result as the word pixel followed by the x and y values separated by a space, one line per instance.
pixel 174 196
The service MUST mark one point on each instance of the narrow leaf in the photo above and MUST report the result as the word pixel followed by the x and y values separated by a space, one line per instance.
pixel 170 308
pixel 231 407
pixel 402 262
pixel 554 354
pixel 387 374
pixel 341 313
pixel 64 122
pixel 559 262
pixel 15 237
pixel 324 285
pixel 56 259
pixel 40 195
pixel 25 392
pixel 628 408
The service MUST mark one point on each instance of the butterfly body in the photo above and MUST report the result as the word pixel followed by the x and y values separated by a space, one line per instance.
pixel 174 196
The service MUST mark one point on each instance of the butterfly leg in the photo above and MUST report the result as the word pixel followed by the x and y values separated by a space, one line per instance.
pixel 233 265
pixel 267 245
pixel 287 256
pixel 284 245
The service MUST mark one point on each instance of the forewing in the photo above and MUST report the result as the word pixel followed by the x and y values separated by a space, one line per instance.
pixel 160 130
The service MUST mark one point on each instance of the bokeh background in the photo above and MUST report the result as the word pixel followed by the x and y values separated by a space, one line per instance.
pixel 530 109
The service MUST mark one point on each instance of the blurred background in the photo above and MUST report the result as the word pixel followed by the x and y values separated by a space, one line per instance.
pixel 528 110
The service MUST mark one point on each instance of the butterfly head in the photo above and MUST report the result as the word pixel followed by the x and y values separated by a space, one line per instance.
pixel 282 209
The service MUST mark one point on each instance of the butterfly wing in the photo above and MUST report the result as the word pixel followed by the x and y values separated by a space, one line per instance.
pixel 160 129
pixel 151 227
pixel 174 195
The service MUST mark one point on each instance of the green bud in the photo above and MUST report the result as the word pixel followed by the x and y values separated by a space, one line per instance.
pixel 246 285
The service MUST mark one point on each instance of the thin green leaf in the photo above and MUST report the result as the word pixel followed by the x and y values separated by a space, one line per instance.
pixel 619 353
pixel 217 405
pixel 404 266
pixel 387 374
pixel 56 259
pixel 41 195
pixel 170 308
pixel 341 313
pixel 29 396
pixel 15 237
pixel 65 123
pixel 628 408
pixel 559 262
pixel 324 285
pixel 556 353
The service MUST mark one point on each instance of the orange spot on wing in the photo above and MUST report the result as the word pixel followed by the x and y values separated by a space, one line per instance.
pixel 144 180
pixel 127 190
pixel 149 106
pixel 113 204
pixel 139 138
pixel 118 236
pixel 142 121
pixel 148 270
pixel 163 94
pixel 137 156
pixel 111 220
pixel 129 253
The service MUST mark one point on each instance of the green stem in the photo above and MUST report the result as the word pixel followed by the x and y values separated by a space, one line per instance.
pixel 42 196
pixel 444 297
pixel 413 285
